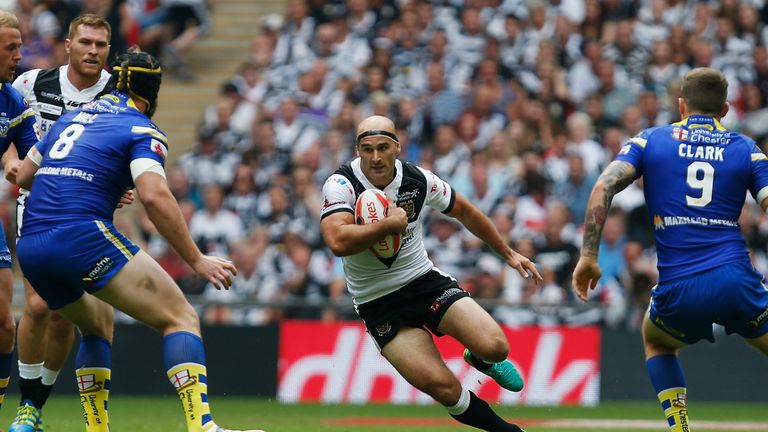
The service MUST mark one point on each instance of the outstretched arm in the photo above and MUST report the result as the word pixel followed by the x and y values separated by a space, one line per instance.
pixel 482 227
pixel 163 211
pixel 615 178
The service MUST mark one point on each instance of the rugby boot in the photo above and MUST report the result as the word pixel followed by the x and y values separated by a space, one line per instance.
pixel 27 419
pixel 503 372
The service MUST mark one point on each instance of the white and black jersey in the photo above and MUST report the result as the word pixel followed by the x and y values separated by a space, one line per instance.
pixel 50 94
pixel 369 277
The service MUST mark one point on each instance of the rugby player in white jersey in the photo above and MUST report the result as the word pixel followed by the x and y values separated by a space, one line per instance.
pixel 404 298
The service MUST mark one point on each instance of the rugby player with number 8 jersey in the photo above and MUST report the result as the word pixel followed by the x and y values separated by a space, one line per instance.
pixel 82 266
pixel 696 176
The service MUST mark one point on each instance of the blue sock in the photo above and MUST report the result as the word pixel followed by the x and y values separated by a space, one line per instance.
pixel 665 372
pixel 184 359
pixel 94 352
pixel 182 347
pixel 669 382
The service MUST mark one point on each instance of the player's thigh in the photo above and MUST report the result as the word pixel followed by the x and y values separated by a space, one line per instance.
pixel 475 328
pixel 92 316
pixel 414 355
pixel 143 290
pixel 34 306
pixel 658 342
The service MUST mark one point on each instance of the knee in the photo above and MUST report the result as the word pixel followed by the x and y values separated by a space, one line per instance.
pixel 36 309
pixel 183 319
pixel 493 349
pixel 444 391
pixel 60 326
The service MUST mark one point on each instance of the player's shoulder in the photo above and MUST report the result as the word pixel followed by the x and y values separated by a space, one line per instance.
pixel 13 97
pixel 25 82
pixel 142 127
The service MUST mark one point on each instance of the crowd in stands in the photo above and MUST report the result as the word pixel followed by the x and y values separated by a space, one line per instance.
pixel 519 104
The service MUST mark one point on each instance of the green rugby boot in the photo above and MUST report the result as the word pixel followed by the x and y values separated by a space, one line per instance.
pixel 503 372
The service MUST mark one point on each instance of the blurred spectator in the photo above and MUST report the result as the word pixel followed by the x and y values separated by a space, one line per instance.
pixel 188 20
pixel 213 227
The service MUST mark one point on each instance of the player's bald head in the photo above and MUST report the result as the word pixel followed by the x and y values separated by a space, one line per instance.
pixel 376 126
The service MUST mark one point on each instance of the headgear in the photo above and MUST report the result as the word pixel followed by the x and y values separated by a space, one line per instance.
pixel 138 75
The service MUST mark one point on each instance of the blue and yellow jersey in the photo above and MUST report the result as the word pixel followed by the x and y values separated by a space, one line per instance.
pixel 17 121
pixel 696 175
pixel 86 165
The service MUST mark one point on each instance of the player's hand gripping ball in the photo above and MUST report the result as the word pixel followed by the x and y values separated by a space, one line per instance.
pixel 372 206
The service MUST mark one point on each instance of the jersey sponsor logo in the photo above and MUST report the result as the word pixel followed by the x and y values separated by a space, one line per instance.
pixel 757 322
pixel 625 149
pixel 5 124
pixel 100 269
pixel 440 301
pixel 327 204
pixel 661 222
pixel 674 332
pixel 54 110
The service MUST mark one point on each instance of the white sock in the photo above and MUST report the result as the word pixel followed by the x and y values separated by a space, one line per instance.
pixel 49 376
pixel 30 370
pixel 461 405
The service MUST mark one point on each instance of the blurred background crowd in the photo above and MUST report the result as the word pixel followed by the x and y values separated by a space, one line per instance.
pixel 518 104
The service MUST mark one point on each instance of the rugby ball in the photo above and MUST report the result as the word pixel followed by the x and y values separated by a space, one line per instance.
pixel 372 206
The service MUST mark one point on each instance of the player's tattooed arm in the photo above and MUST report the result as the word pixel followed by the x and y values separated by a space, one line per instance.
pixel 616 176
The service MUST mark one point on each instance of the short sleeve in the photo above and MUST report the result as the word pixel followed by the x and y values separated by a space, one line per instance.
pixel 440 195
pixel 759 169
pixel 632 151
pixel 338 196
pixel 148 143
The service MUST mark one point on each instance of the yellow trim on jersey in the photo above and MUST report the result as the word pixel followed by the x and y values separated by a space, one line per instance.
pixel 758 156
pixel 114 240
pixel 27 113
pixel 639 141
pixel 719 126
pixel 150 131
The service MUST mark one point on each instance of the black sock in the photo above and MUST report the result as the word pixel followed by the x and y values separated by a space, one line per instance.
pixel 45 391
pixel 477 363
pixel 480 415
pixel 33 390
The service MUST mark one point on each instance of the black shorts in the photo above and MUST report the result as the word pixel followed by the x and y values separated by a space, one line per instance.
pixel 420 304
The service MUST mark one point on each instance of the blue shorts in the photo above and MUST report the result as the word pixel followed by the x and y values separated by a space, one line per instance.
pixel 733 295
pixel 64 262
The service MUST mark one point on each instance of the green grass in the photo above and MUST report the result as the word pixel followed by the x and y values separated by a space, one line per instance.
pixel 162 414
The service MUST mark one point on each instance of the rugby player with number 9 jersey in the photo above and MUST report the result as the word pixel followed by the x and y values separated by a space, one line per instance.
pixel 696 176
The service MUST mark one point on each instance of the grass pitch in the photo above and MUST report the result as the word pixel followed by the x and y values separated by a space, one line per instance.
pixel 162 414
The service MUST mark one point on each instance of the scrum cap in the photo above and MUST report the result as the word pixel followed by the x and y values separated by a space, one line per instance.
pixel 138 74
